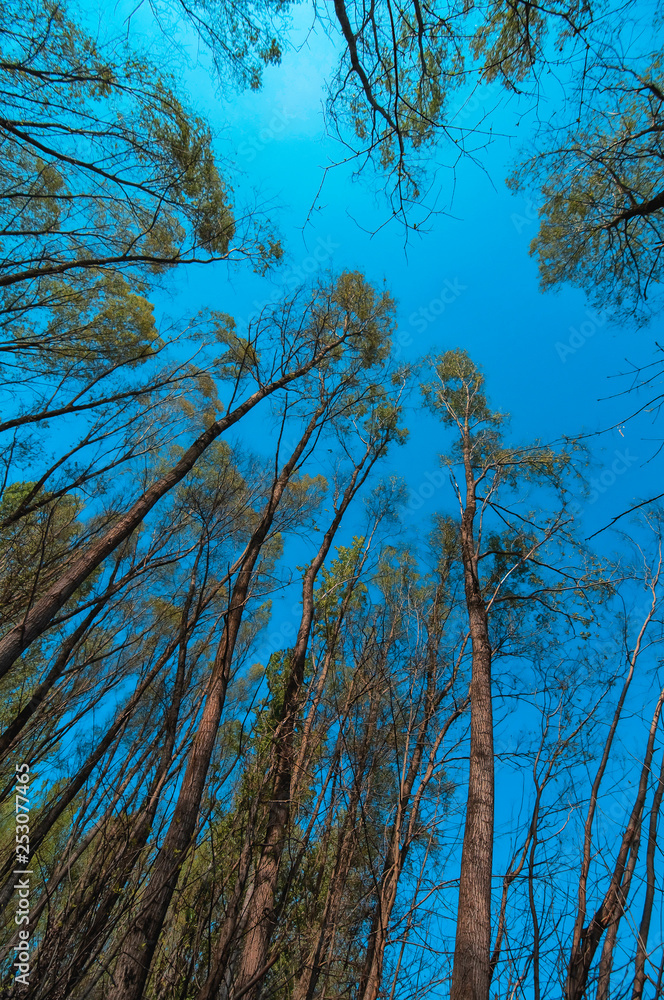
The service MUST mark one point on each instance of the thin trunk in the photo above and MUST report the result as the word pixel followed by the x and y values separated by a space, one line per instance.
pixel 137 838
pixel 404 822
pixel 606 960
pixel 312 969
pixel 306 985
pixel 471 973
pixel 594 793
pixel 644 928
pixel 304 749
pixel 56 809
pixel 261 917
pixel 139 946
pixel 220 956
pixel 60 945
pixel 534 916
pixel 72 856
pixel 611 906
pixel 13 730
pixel 38 618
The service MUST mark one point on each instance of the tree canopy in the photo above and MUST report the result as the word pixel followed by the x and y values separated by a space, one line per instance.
pixel 272 727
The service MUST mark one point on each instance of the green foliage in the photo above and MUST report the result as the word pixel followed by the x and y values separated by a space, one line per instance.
pixel 514 38
pixel 112 169
pixel 242 38
pixel 364 773
pixel 509 40
pixel 516 550
pixel 240 357
pixel 409 61
pixel 368 313
pixel 339 584
pixel 302 500
pixel 402 65
pixel 216 494
pixel 89 328
pixel 456 394
pixel 598 181
pixel 35 546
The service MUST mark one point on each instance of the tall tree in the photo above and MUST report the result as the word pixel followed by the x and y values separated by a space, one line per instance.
pixel 338 393
pixel 345 314
pixel 495 564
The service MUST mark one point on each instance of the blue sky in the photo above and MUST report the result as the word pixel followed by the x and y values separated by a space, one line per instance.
pixel 468 282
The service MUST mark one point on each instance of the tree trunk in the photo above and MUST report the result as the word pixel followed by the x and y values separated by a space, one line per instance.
pixel 471 973
pixel 614 900
pixel 261 916
pixel 39 617
pixel 138 948
pixel 644 927
pixel 137 838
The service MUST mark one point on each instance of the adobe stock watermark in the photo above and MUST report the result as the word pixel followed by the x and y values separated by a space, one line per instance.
pixel 432 482
pixel 578 337
pixel 23 873
pixel 622 462
pixel 529 215
pixel 291 277
pixel 425 315
pixel 274 129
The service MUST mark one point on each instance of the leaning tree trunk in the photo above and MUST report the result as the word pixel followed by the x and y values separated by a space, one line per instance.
pixel 614 901
pixel 127 856
pixel 138 948
pixel 40 615
pixel 644 927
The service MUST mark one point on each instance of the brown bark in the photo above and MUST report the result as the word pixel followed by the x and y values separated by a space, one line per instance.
pixel 53 811
pixel 405 818
pixel 319 959
pixel 403 831
pixel 72 854
pixel 649 207
pixel 137 837
pixel 610 909
pixel 306 985
pixel 225 940
pixel 60 948
pixel 576 973
pixel 42 612
pixel 471 973
pixel 13 730
pixel 138 947
pixel 234 918
pixel 261 915
pixel 644 927
pixel 305 742
pixel 606 960
pixel 351 42
pixel 307 980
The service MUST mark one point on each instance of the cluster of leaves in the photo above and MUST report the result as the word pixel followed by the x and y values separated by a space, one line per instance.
pixel 600 180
